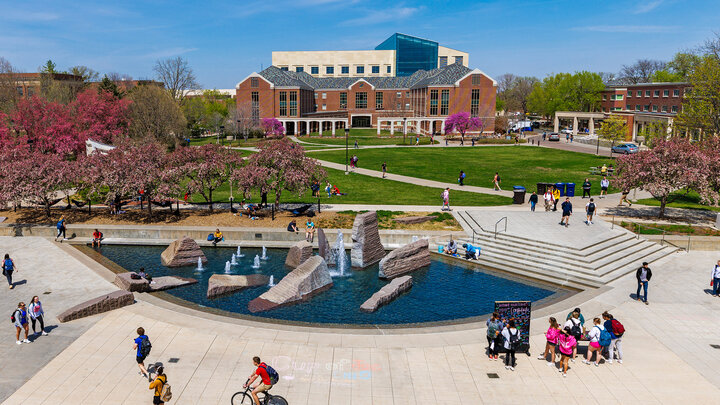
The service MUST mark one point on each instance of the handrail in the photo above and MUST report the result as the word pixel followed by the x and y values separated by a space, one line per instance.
pixel 637 227
pixel 496 224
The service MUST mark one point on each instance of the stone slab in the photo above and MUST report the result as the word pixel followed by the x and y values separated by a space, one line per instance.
pixel 406 259
pixel 387 293
pixel 169 282
pixel 323 245
pixel 127 283
pixel 307 280
pixel 298 253
pixel 182 252
pixel 413 220
pixel 98 305
pixel 225 284
pixel 367 249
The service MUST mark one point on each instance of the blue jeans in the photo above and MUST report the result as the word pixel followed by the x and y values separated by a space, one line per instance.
pixel 532 206
pixel 8 275
pixel 644 285
pixel 716 286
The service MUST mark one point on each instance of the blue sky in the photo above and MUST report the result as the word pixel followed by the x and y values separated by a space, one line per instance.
pixel 224 41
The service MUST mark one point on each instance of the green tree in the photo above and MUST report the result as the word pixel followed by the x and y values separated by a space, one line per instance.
pixel 155 116
pixel 654 131
pixel 49 67
pixel 701 107
pixel 88 75
pixel 678 69
pixel 566 92
pixel 107 85
pixel 613 128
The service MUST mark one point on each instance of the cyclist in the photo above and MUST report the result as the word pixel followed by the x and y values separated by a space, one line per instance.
pixel 264 384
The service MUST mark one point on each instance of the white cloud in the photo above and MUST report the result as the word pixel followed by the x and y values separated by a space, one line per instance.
pixel 28 16
pixel 647 7
pixel 383 16
pixel 638 29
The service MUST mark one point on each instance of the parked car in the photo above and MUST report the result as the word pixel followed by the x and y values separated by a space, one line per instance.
pixel 625 148
pixel 554 137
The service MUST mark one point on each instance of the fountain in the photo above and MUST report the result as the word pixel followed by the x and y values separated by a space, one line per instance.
pixel 238 253
pixel 264 255
pixel 200 267
pixel 338 256
pixel 233 260
pixel 271 283
pixel 227 268
pixel 256 262
pixel 414 238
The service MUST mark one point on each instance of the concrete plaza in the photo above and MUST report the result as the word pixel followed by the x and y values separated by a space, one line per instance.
pixel 668 357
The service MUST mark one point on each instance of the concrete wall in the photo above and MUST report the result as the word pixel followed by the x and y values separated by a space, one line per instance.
pixel 704 243
pixel 337 59
pixel 451 54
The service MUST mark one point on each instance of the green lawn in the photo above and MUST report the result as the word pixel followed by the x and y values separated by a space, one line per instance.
pixel 691 200
pixel 251 142
pixel 517 165
pixel 370 190
pixel 365 137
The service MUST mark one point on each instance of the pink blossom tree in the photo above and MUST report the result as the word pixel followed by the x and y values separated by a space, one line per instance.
pixel 100 116
pixel 280 165
pixel 710 148
pixel 45 125
pixel 462 122
pixel 272 127
pixel 668 171
pixel 207 167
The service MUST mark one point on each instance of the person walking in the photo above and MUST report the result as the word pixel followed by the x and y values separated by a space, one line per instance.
pixel 461 178
pixel 556 197
pixel 566 212
pixel 586 186
pixel 8 268
pixel 617 330
pixel 643 275
pixel 533 201
pixel 61 229
pixel 494 327
pixel 567 344
pixel 548 198
pixel 575 323
pixel 142 349
pixel 37 315
pixel 589 212
pixel 624 198
pixel 446 199
pixel 496 181
pixel 19 318
pixel 158 384
pixel 604 184
pixel 594 346
pixel 512 342
pixel 714 278
pixel 552 339
pixel 384 169
pixel 356 145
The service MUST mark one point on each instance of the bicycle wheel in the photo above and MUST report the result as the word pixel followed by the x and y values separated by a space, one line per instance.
pixel 277 400
pixel 241 398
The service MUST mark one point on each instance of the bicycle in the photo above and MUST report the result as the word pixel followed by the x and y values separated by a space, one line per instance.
pixel 245 398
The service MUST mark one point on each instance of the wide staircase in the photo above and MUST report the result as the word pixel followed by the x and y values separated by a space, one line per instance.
pixel 538 247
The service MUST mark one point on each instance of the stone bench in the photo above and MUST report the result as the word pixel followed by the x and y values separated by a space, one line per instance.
pixel 103 303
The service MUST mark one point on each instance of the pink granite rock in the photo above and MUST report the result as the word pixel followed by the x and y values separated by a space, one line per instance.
pixel 405 259
pixel 367 249
pixel 225 284
pixel 298 253
pixel 182 252
pixel 388 293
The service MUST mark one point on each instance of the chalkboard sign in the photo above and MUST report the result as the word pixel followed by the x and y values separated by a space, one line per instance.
pixel 520 312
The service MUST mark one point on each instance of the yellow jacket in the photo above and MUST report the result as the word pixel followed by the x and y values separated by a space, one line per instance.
pixel 556 194
pixel 158 383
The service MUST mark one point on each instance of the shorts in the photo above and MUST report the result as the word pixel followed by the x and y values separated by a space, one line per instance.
pixel 603 188
pixel 157 400
pixel 140 359
pixel 552 344
pixel 262 387
pixel 595 345
pixel 565 355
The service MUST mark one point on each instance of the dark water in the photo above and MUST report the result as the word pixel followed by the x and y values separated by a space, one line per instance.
pixel 442 291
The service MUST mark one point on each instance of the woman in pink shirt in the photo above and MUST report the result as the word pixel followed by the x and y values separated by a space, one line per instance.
pixel 552 337
pixel 566 345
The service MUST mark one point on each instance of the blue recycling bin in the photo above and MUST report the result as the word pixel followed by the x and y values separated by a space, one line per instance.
pixel 561 187
pixel 570 190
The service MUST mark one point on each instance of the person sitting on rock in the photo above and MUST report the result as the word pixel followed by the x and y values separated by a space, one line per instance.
pixel 144 275
pixel 451 247
pixel 471 252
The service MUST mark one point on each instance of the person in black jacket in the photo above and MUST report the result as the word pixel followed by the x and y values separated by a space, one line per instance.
pixel 586 186
pixel 643 275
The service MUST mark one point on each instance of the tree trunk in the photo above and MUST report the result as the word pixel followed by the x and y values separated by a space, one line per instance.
pixel 663 202
pixel 47 208
pixel 277 200
pixel 211 200
pixel 149 207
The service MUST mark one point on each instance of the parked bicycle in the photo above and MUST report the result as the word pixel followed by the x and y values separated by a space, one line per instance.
pixel 244 397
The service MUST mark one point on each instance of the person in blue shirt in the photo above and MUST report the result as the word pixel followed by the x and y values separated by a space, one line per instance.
pixel 61 229
pixel 471 252
pixel 566 212
pixel 8 267
pixel 138 355
pixel 20 323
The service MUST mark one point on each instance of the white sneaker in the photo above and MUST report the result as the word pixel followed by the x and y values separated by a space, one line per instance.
pixel 564 374
pixel 506 367
pixel 585 361
pixel 25 341
pixel 573 360
pixel 619 361
pixel 609 362
pixel 44 333
pixel 19 342
pixel 597 364
pixel 550 364
pixel 512 368
pixel 541 357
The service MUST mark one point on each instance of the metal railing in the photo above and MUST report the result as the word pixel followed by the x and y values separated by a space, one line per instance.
pixel 496 225
pixel 637 227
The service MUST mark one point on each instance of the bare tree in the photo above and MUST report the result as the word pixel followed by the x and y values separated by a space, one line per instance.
pixel 8 85
pixel 240 119
pixel 608 78
pixel 514 91
pixel 712 46
pixel 155 116
pixel 177 76
pixel 641 71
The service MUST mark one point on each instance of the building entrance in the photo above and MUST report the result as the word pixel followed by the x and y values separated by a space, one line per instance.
pixel 361 122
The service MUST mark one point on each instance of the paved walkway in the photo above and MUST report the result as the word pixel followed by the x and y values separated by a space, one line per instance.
pixel 668 357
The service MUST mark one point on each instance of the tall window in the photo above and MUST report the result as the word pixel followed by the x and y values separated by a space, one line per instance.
pixel 475 103
pixel 433 102
pixel 255 106
pixel 343 100
pixel 254 82
pixel 676 93
pixel 656 93
pixel 639 93
pixel 666 93
pixel 379 100
pixel 361 100
pixel 629 93
pixel 293 103
pixel 389 69
pixel 19 90
pixel 647 93
pixel 444 102
pixel 283 103
pixel 443 61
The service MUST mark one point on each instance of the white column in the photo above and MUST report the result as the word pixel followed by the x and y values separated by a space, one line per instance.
pixel 442 127
pixel 320 125
pixel 404 127
pixel 591 125
pixel 379 123
pixel 575 125
pixel 556 128
pixel 392 127
pixel 333 128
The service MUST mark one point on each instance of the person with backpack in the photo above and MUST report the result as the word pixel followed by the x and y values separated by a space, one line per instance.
pixel 575 322
pixel 599 337
pixel 567 344
pixel 496 182
pixel 461 178
pixel 61 229
pixel 494 327
pixel 512 343
pixel 162 391
pixel 714 279
pixel 8 267
pixel 589 212
pixel 268 378
pixel 617 330
pixel 37 314
pixel 142 348
pixel 552 338
pixel 19 319
pixel 643 275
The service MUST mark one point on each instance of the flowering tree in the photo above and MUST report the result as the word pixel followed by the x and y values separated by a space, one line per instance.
pixel 710 148
pixel 280 165
pixel 462 122
pixel 100 116
pixel 272 127
pixel 208 167
pixel 47 126
pixel 668 171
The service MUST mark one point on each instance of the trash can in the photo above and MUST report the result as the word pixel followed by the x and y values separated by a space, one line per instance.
pixel 561 187
pixel 570 189
pixel 541 188
pixel 518 195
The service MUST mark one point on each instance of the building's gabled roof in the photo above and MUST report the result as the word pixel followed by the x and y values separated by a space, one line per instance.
pixel 444 76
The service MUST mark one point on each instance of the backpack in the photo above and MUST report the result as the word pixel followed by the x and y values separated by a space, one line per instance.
pixel 12 317
pixel 7 265
pixel 618 328
pixel 210 237
pixel 145 347
pixel 165 392
pixel 274 376
pixel 514 339
pixel 492 330
pixel 575 329
pixel 605 337
pixel 591 207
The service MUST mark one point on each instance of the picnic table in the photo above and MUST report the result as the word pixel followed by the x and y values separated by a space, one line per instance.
pixel 598 170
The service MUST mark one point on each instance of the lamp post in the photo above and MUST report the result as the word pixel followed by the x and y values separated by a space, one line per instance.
pixel 347 136
pixel 222 134
pixel 404 129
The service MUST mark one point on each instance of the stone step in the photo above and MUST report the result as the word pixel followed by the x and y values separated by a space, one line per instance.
pixel 632 267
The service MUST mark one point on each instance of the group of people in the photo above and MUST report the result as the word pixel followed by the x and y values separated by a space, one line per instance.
pixel 34 313
pixel 332 190
pixel 471 252
pixel 309 229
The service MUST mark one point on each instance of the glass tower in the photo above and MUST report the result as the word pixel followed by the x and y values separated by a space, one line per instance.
pixel 411 53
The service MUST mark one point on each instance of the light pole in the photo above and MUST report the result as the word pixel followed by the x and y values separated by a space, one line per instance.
pixel 404 129
pixel 222 134
pixel 347 135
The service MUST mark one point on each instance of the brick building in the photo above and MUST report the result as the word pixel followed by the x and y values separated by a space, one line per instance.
pixel 420 102
pixel 28 84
